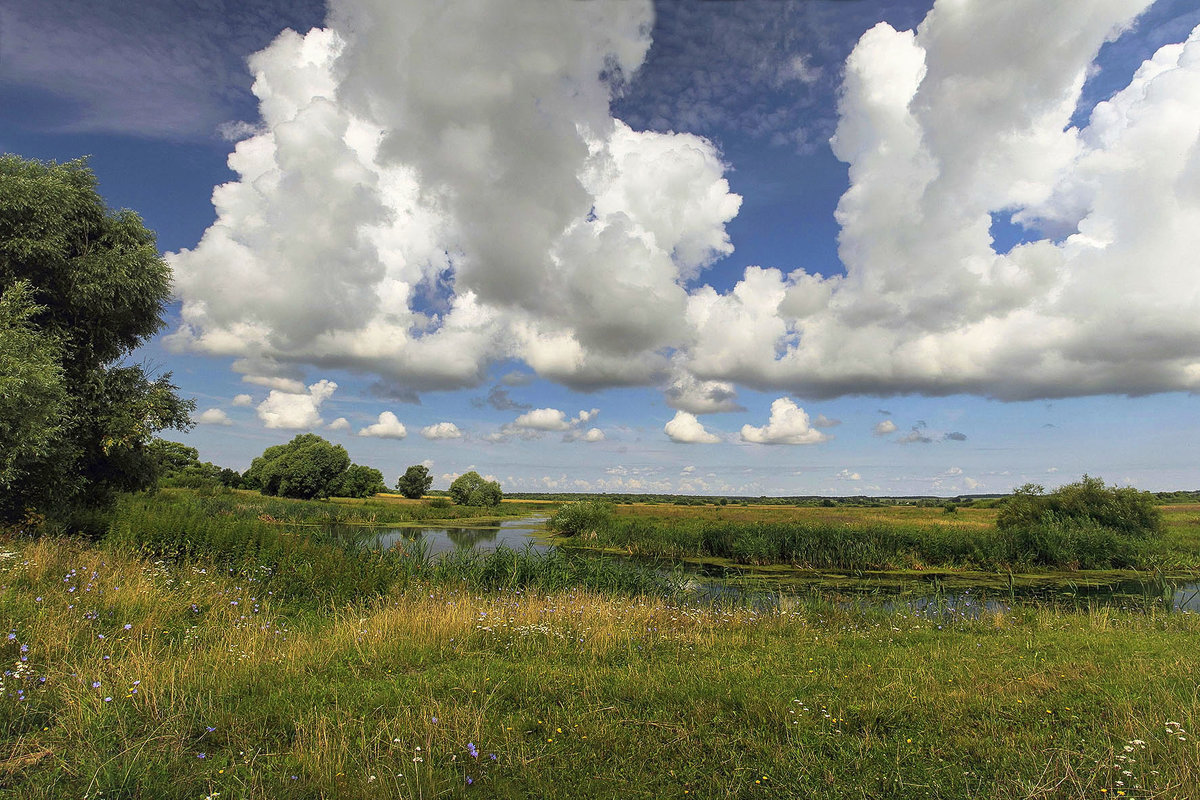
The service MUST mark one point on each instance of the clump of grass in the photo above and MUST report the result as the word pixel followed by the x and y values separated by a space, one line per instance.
pixel 282 561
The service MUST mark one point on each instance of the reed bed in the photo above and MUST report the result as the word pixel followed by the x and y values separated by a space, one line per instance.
pixel 869 545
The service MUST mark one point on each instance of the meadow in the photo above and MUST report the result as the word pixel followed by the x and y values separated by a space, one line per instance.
pixel 137 669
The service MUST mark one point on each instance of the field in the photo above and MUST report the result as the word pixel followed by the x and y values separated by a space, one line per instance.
pixel 134 675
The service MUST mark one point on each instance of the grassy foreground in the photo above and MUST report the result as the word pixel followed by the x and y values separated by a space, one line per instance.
pixel 129 678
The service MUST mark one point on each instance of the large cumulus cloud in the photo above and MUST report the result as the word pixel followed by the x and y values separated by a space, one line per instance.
pixel 942 128
pixel 435 188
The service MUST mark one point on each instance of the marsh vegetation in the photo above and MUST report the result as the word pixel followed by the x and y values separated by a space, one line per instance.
pixel 226 644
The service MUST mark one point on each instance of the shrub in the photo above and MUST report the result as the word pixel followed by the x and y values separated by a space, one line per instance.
pixel 358 481
pixel 306 467
pixel 1088 502
pixel 585 516
pixel 1084 525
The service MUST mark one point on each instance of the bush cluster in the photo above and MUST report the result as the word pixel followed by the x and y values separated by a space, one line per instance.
pixel 581 517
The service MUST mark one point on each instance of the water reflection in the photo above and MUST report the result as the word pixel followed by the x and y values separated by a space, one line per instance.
pixel 513 533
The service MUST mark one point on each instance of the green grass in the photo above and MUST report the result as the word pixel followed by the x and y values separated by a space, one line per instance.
pixel 577 694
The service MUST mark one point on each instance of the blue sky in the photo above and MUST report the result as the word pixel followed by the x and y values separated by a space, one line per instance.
pixel 753 248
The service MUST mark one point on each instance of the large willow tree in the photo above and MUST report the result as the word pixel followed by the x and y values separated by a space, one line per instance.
pixel 81 288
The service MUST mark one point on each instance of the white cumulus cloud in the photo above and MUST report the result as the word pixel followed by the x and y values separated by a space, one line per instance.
pixel 290 385
pixel 294 410
pixel 942 128
pixel 387 427
pixel 213 416
pixel 406 150
pixel 686 429
pixel 441 430
pixel 543 419
pixel 884 427
pixel 407 154
pixel 339 424
pixel 593 435
pixel 788 424
pixel 243 400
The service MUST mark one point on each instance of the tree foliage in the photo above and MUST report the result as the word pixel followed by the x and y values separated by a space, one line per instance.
pixel 31 385
pixel 471 489
pixel 177 465
pixel 359 481
pixel 82 288
pixel 415 482
pixel 306 467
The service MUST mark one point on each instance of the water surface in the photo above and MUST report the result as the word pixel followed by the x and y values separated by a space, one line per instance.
pixel 515 534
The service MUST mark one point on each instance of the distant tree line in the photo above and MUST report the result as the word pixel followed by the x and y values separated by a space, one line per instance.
pixel 308 467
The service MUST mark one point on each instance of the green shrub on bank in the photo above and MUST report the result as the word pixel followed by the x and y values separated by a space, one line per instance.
pixel 1083 525
pixel 1088 503
pixel 584 516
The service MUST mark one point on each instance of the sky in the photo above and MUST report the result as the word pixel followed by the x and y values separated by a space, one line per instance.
pixel 838 247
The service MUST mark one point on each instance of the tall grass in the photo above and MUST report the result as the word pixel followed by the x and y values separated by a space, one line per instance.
pixel 291 562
